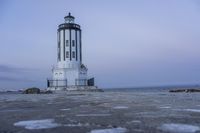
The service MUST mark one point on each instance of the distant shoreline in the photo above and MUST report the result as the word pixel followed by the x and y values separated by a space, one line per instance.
pixel 126 89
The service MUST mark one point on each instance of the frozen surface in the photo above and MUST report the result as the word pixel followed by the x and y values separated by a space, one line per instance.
pixel 134 121
pixel 188 110
pixel 93 114
pixel 37 124
pixel 65 109
pixel 179 128
pixel 77 125
pixel 193 110
pixel 113 130
pixel 165 107
pixel 120 107
pixel 85 112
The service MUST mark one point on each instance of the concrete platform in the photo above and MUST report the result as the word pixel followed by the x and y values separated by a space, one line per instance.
pixel 75 88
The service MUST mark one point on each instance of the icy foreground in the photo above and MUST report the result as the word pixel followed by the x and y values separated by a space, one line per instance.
pixel 113 130
pixel 37 124
pixel 100 112
pixel 179 128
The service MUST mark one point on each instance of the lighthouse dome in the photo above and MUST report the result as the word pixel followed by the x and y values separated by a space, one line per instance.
pixel 69 18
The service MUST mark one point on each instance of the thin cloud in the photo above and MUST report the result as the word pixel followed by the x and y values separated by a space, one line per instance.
pixel 13 69
pixel 14 79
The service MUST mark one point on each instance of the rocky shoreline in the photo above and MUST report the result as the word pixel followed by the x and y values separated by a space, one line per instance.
pixel 190 90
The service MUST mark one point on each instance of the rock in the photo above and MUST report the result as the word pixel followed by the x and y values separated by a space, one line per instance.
pixel 47 92
pixel 193 90
pixel 177 90
pixel 185 90
pixel 32 90
pixel 35 90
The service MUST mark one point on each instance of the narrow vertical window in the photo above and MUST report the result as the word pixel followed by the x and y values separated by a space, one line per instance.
pixel 59 50
pixel 73 43
pixel 59 56
pixel 67 54
pixel 67 43
pixel 73 54
pixel 64 45
pixel 59 44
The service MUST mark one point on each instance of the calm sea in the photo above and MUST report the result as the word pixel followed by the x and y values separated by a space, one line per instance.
pixel 151 89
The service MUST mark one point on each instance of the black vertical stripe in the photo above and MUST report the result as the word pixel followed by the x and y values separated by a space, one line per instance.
pixel 76 47
pixel 70 46
pixel 57 45
pixel 64 44
pixel 59 50
pixel 80 47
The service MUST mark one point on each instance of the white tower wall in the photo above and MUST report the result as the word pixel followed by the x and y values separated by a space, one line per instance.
pixel 69 70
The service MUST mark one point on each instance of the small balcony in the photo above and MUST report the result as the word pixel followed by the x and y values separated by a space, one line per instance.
pixel 63 83
pixel 56 83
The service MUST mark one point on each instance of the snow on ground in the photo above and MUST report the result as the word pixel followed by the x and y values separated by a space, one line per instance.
pixel 14 110
pixel 189 110
pixel 165 107
pixel 111 130
pixel 37 124
pixel 193 110
pixel 134 122
pixel 93 114
pixel 61 115
pixel 120 107
pixel 65 109
pixel 179 128
pixel 77 125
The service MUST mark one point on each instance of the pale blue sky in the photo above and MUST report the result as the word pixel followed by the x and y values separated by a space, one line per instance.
pixel 126 43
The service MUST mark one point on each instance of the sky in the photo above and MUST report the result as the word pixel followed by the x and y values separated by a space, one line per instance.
pixel 126 43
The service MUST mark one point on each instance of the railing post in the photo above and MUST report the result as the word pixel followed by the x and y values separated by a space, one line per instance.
pixel 47 83
pixel 57 83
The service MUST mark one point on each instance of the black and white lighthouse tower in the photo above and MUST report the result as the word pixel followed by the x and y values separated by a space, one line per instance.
pixel 70 72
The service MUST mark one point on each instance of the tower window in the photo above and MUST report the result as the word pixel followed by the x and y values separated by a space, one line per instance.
pixel 59 56
pixel 67 43
pixel 58 44
pixel 73 43
pixel 73 54
pixel 67 54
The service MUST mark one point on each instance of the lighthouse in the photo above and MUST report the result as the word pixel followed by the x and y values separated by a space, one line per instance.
pixel 70 72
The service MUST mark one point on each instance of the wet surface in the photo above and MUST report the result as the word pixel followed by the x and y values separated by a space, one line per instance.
pixel 98 112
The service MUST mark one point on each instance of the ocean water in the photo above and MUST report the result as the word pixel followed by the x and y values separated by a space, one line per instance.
pixel 150 89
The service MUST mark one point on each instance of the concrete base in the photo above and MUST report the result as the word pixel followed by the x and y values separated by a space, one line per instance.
pixel 75 88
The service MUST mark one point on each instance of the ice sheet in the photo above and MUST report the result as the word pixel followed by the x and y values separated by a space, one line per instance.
pixel 93 114
pixel 120 107
pixel 65 109
pixel 111 130
pixel 179 128
pixel 165 107
pixel 37 124
pixel 193 110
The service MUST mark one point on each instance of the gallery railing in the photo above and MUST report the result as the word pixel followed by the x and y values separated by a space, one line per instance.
pixel 90 82
pixel 84 82
pixel 56 83
pixel 64 83
pixel 80 82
